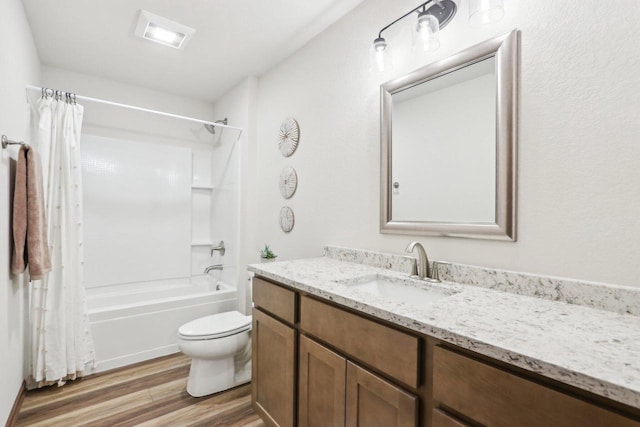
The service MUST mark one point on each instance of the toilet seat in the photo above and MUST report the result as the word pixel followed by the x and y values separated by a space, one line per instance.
pixel 215 326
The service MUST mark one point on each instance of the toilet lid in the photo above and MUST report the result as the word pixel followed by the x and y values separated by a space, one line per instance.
pixel 216 325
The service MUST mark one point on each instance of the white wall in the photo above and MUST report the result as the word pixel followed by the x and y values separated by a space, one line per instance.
pixel 578 177
pixel 20 65
pixel 239 106
pixel 96 87
pixel 118 122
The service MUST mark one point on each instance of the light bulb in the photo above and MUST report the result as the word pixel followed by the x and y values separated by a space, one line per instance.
pixel 485 12
pixel 163 35
pixel 380 56
pixel 427 32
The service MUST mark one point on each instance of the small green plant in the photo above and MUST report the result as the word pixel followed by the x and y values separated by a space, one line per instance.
pixel 267 253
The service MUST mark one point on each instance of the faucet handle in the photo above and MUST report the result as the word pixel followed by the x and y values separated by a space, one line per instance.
pixel 435 271
pixel 220 248
pixel 435 274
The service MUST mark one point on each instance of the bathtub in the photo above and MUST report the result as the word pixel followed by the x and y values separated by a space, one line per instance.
pixel 135 322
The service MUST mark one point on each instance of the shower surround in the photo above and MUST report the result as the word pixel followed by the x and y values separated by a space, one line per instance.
pixel 151 216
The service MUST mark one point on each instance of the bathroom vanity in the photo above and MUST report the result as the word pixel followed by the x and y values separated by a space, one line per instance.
pixel 328 352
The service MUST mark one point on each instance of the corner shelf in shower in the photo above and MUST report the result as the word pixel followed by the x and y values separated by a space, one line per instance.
pixel 211 188
pixel 202 243
pixel 202 187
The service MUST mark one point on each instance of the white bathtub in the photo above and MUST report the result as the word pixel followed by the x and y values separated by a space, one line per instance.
pixel 135 322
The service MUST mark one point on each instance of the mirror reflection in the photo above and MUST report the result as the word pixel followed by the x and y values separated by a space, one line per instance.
pixel 443 155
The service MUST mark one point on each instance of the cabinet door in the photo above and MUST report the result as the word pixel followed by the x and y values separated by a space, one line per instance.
pixel 322 386
pixel 272 376
pixel 442 419
pixel 374 402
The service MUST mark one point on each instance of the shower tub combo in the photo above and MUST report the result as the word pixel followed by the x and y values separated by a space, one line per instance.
pixel 135 322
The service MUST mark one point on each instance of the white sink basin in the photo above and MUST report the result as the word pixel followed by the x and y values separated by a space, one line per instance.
pixel 409 291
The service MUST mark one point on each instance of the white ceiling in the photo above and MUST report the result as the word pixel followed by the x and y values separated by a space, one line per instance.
pixel 234 39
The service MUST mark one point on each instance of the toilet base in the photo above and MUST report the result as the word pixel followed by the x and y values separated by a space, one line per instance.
pixel 213 376
pixel 210 376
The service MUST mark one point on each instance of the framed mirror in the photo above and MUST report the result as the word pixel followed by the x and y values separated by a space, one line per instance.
pixel 449 145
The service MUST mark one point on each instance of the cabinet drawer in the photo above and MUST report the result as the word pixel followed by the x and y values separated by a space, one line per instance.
pixel 275 299
pixel 390 351
pixel 497 398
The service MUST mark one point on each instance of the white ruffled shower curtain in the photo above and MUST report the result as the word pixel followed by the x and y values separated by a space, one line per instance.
pixel 61 346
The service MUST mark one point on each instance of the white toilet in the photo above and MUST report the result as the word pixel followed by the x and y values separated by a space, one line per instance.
pixel 220 349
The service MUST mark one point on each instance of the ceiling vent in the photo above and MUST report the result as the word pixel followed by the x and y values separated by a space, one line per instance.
pixel 162 30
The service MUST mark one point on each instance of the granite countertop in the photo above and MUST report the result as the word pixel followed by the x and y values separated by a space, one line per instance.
pixel 595 350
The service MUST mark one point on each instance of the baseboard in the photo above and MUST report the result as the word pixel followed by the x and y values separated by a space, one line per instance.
pixel 15 409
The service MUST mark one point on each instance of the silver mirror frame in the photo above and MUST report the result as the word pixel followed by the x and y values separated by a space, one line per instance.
pixel 505 50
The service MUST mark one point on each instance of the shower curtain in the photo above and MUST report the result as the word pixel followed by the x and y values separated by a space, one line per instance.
pixel 61 346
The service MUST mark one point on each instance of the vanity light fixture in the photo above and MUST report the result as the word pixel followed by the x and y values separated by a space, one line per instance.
pixel 162 30
pixel 433 16
pixel 426 35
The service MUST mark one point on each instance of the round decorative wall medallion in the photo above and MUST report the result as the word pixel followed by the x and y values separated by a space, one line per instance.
pixel 288 182
pixel 288 136
pixel 286 219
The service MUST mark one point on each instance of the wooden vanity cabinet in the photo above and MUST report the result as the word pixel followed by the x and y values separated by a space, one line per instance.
pixel 317 364
pixel 371 400
pixel 374 402
pixel 273 370
pixel 322 378
pixel 336 392
pixel 384 348
pixel 328 385
pixel 274 349
pixel 495 397
pixel 440 418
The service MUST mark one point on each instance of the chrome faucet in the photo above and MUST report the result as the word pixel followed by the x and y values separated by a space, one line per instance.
pixel 220 248
pixel 423 260
pixel 213 267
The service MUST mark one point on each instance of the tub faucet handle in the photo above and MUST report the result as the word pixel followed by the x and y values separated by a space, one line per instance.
pixel 220 248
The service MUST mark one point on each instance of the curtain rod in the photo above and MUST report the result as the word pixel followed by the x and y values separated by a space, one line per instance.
pixel 146 110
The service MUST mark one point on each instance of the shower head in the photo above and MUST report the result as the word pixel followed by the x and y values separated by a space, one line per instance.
pixel 212 128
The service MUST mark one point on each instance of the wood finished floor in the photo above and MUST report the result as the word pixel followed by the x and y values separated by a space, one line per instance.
pixel 146 394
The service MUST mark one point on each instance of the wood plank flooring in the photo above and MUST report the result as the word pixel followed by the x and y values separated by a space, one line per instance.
pixel 151 393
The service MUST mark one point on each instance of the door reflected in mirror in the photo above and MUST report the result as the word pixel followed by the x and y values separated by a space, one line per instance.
pixel 444 148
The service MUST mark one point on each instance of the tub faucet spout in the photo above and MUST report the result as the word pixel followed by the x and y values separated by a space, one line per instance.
pixel 213 267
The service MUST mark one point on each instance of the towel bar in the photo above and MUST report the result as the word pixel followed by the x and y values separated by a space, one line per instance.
pixel 6 142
